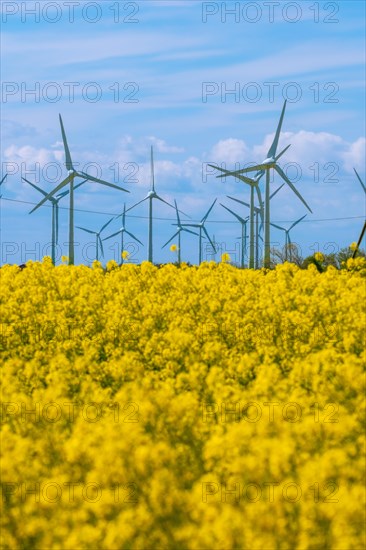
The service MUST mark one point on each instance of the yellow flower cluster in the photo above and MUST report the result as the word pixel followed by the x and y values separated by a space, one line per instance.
pixel 182 407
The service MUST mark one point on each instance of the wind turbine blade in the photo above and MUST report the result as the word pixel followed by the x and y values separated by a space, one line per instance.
pixel 162 200
pixel 256 168
pixel 133 237
pixel 92 178
pixel 278 227
pixel 170 240
pixel 101 246
pixel 64 193
pixel 69 165
pixel 282 152
pixel 249 181
pixel 124 214
pixel 242 178
pixel 189 225
pixel 79 184
pixel 134 205
pixel 86 230
pixel 218 168
pixel 114 234
pixel 275 192
pixel 208 211
pixel 360 180
pixel 152 169
pixel 105 225
pixel 189 231
pixel 272 150
pixel 230 173
pixel 295 223
pixel 53 192
pixel 239 218
pixel 260 201
pixel 207 235
pixel 285 178
pixel 36 187
pixel 4 178
pixel 177 211
pixel 238 200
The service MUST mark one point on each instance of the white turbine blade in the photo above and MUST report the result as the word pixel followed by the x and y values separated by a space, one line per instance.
pixel 134 205
pixel 4 178
pixel 53 192
pixel 177 211
pixel 230 173
pixel 249 181
pixel 106 224
pixel 152 169
pixel 133 237
pixel 170 240
pixel 360 180
pixel 164 201
pixel 224 171
pixel 97 180
pixel 189 231
pixel 260 201
pixel 207 235
pixel 114 234
pixel 278 226
pixel 208 212
pixel 189 225
pixel 282 152
pixel 291 185
pixel 238 200
pixel 295 223
pixel 86 230
pixel 75 187
pixel 35 187
pixel 256 168
pixel 272 150
pixel 218 168
pixel 275 192
pixel 241 220
pixel 101 246
pixel 69 165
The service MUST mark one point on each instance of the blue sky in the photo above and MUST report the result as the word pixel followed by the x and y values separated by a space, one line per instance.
pixel 127 75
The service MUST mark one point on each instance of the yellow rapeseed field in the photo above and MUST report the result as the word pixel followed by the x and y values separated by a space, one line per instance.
pixel 182 408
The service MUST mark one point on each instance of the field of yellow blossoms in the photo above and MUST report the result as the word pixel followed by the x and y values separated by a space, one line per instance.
pixel 182 408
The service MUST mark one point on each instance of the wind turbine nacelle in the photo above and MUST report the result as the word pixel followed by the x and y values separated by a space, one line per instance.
pixel 269 160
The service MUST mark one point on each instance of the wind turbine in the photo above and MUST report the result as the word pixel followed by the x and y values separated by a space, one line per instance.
pixel 271 163
pixel 178 233
pixel 98 240
pixel 54 201
pixel 360 180
pixel 122 231
pixel 287 235
pixel 243 222
pixel 202 229
pixel 70 180
pixel 256 212
pixel 254 184
pixel 150 197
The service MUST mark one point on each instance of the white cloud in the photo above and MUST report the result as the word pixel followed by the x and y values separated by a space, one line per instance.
pixel 354 157
pixel 230 151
